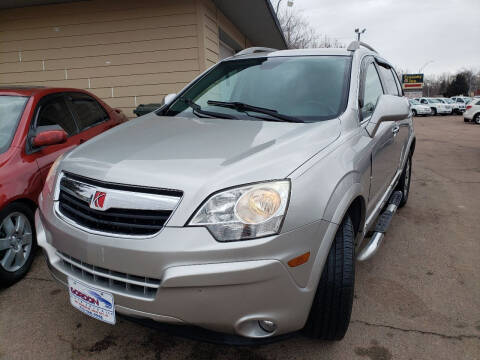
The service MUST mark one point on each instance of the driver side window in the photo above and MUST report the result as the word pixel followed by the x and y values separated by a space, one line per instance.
pixel 371 91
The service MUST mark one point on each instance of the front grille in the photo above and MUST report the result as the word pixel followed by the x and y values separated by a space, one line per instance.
pixel 119 221
pixel 125 284
pixel 149 218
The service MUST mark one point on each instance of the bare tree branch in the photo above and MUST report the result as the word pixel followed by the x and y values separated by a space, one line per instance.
pixel 299 34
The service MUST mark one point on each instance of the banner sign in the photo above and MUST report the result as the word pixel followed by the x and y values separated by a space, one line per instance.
pixel 412 81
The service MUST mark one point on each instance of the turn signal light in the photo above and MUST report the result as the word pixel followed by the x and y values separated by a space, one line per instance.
pixel 299 260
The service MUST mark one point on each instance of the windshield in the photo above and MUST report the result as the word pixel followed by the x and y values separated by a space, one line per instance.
pixel 448 101
pixel 11 109
pixel 434 100
pixel 307 88
pixel 414 102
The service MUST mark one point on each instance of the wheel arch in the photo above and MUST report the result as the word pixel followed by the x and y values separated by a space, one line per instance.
pixel 22 200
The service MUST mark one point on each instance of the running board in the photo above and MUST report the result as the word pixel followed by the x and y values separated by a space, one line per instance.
pixel 381 227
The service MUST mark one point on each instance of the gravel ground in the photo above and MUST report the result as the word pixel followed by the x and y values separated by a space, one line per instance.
pixel 418 298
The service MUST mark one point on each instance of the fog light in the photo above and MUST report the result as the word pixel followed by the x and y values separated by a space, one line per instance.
pixel 267 325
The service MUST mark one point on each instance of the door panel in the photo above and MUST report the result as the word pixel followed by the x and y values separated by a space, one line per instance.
pixel 384 159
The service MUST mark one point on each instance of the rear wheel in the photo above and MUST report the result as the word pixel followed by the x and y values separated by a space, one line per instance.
pixel 332 306
pixel 414 112
pixel 476 119
pixel 17 242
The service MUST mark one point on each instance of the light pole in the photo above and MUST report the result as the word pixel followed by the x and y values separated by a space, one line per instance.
pixel 359 33
pixel 425 65
pixel 289 4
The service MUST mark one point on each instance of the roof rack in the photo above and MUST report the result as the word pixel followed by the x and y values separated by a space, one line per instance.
pixel 355 45
pixel 254 50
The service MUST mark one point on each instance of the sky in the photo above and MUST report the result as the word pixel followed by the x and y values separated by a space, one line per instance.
pixel 408 33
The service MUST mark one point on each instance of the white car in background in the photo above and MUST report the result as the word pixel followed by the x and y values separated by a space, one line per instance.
pixel 461 99
pixel 449 103
pixel 473 112
pixel 458 107
pixel 436 106
pixel 419 109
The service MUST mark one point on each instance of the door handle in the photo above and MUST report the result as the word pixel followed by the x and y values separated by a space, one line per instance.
pixel 395 130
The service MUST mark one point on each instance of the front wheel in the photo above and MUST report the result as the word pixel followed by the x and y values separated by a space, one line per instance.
pixel 332 306
pixel 17 242
pixel 414 112
pixel 404 182
pixel 434 111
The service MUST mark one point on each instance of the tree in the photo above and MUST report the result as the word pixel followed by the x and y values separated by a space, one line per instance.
pixel 459 86
pixel 299 34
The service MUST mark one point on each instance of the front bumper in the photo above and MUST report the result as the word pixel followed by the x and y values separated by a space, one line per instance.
pixel 225 287
pixel 444 111
pixel 421 111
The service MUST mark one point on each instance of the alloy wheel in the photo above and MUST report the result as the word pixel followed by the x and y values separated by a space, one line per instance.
pixel 15 241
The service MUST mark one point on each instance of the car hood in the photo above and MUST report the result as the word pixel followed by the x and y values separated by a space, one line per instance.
pixel 199 156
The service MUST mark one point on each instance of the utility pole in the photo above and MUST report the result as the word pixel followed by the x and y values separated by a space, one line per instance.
pixel 359 33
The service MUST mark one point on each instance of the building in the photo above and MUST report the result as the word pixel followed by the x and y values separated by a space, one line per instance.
pixel 127 52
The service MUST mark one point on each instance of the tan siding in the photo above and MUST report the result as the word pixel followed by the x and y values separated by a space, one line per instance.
pixel 96 61
pixel 120 50
pixel 106 38
pixel 210 55
pixel 127 20
pixel 125 52
pixel 87 11
pixel 99 50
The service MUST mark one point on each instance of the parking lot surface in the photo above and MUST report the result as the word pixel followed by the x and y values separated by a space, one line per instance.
pixel 418 298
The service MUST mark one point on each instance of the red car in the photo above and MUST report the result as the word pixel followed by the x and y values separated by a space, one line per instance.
pixel 36 126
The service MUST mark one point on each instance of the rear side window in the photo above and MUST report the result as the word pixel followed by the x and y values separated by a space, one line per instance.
pixel 55 114
pixel 371 92
pixel 87 110
pixel 388 80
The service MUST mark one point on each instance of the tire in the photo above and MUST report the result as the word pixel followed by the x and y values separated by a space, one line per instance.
pixel 476 119
pixel 17 242
pixel 404 182
pixel 434 111
pixel 332 306
pixel 414 112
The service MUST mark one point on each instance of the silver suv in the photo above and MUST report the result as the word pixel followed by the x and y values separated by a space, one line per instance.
pixel 241 205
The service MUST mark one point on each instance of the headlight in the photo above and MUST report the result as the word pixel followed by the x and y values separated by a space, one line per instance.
pixel 245 212
pixel 52 174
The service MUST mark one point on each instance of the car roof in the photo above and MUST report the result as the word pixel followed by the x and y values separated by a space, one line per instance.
pixel 29 90
pixel 293 52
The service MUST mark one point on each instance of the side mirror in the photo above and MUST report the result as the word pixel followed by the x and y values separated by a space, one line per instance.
pixel 389 108
pixel 49 137
pixel 169 98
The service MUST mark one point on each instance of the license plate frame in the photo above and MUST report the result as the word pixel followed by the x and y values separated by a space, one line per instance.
pixel 96 303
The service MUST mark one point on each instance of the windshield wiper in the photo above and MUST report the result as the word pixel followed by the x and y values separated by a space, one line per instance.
pixel 242 107
pixel 198 109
